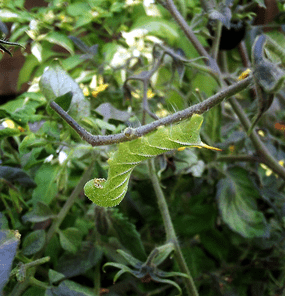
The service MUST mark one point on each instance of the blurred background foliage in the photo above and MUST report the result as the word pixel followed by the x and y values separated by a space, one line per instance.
pixel 228 214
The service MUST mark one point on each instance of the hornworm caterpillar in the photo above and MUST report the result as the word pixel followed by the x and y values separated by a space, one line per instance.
pixel 109 193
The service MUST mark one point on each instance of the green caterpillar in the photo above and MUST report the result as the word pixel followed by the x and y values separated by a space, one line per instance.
pixel 109 193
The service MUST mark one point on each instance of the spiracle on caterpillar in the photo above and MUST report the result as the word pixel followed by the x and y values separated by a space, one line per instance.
pixel 110 192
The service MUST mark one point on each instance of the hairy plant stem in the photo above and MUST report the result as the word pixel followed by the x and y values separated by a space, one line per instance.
pixel 217 39
pixel 169 230
pixel 260 148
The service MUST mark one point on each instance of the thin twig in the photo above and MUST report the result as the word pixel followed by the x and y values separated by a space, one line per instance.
pixel 190 35
pixel 200 108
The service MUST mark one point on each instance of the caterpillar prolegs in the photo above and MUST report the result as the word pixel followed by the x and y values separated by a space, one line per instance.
pixel 110 192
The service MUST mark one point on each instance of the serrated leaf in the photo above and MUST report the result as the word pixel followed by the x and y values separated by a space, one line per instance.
pixel 237 197
pixel 128 235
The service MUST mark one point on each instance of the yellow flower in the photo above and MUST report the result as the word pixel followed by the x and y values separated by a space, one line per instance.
pixel 99 89
pixel 150 94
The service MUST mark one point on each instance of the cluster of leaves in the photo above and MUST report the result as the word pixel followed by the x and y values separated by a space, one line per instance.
pixel 228 215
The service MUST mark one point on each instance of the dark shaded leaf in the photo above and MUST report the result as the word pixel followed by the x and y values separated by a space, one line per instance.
pixel 223 16
pixel 128 235
pixel 64 101
pixel 33 242
pixel 70 239
pixel 268 75
pixel 41 212
pixel 237 197
pixel 16 175
pixel 83 260
pixel 79 43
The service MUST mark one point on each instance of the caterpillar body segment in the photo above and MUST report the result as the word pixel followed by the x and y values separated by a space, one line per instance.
pixel 110 192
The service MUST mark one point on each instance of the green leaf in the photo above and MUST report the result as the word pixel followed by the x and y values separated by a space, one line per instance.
pixel 33 242
pixel 70 239
pixel 78 9
pixel 216 243
pixel 41 212
pixel 9 132
pixel 16 198
pixel 22 109
pixel 55 82
pixel 46 184
pixel 4 224
pixel 237 197
pixel 158 27
pixel 61 40
pixel 31 142
pixel 128 235
pixel 64 101
pixel 8 16
pixel 55 276
pixel 212 126
pixel 34 291
pixel 31 62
